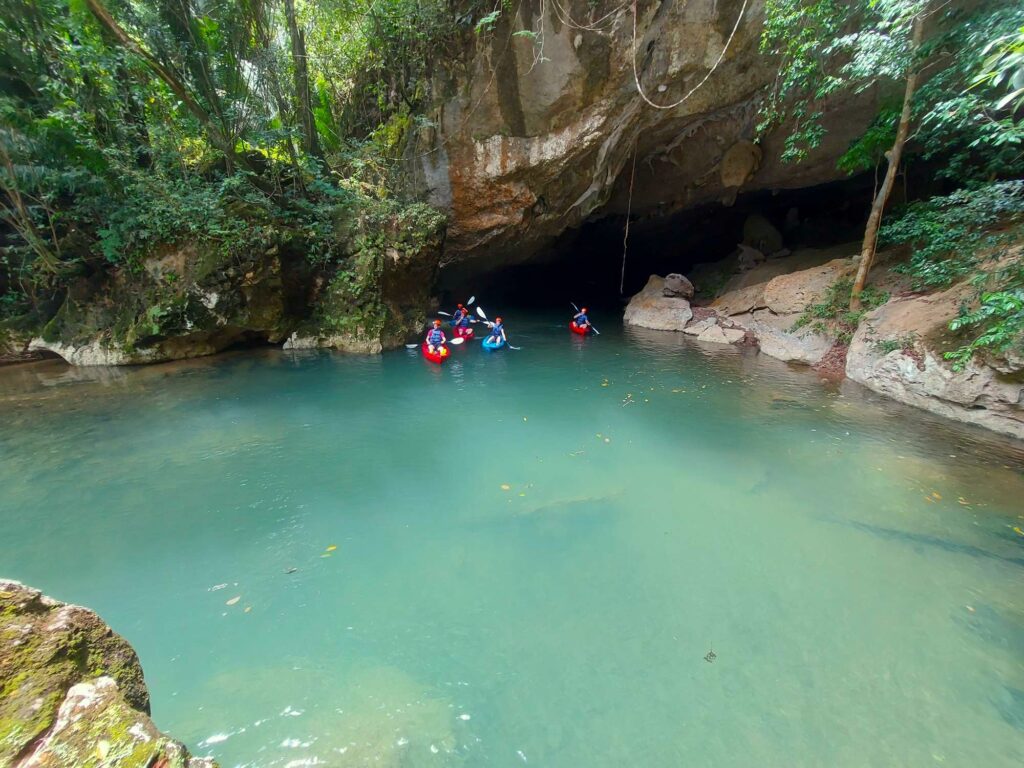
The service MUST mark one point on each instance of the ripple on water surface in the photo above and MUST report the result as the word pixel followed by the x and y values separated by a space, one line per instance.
pixel 622 550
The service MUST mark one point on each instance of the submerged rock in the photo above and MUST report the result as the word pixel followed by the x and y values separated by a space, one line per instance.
pixel 651 308
pixel 72 692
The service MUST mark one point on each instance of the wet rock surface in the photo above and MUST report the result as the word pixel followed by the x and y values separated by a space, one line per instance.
pixel 72 693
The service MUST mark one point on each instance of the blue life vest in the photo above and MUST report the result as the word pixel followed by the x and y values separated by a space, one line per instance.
pixel 435 336
pixel 497 329
pixel 464 321
pixel 581 319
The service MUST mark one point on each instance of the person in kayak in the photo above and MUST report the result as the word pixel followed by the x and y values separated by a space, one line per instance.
pixel 435 338
pixel 457 316
pixel 464 321
pixel 581 319
pixel 497 332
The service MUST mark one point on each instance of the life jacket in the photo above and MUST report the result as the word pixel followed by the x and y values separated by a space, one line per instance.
pixel 497 330
pixel 463 321
pixel 435 336
pixel 581 319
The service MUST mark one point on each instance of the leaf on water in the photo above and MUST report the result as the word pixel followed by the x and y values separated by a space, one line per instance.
pixel 332 548
pixel 506 487
pixel 937 495
pixel 1018 530
pixel 326 554
pixel 233 600
pixel 102 750
pixel 248 608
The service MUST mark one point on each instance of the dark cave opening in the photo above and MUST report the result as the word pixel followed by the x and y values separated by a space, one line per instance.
pixel 584 265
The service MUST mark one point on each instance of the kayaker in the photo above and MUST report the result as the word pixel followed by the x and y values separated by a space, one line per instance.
pixel 497 332
pixel 464 321
pixel 458 315
pixel 435 338
pixel 581 319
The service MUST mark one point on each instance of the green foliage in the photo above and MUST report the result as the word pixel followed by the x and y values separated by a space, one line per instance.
pixel 833 316
pixel 1004 69
pixel 998 321
pixel 903 343
pixel 949 235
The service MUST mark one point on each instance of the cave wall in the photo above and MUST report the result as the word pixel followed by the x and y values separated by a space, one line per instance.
pixel 536 135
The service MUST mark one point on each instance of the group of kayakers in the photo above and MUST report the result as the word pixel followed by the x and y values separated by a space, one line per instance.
pixel 434 345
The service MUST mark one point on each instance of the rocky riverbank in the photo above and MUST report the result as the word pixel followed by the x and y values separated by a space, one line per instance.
pixel 896 349
pixel 72 693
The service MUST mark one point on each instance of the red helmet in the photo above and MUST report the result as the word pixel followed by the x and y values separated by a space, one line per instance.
pixel 583 309
pixel 460 306
pixel 437 322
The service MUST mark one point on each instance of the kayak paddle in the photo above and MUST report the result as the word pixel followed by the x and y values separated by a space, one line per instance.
pixel 456 341
pixel 446 314
pixel 471 300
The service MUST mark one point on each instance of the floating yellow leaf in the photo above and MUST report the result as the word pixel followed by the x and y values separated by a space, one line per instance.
pixel 506 487
pixel 102 750
pixel 332 547
pixel 248 608
pixel 233 600
pixel 1018 530
pixel 937 495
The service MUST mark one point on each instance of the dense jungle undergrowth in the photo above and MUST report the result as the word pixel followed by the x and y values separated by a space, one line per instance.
pixel 228 128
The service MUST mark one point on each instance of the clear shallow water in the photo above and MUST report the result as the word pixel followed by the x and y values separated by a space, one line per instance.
pixel 535 552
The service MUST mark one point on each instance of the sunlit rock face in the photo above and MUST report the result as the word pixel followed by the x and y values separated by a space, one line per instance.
pixel 539 133
pixel 73 691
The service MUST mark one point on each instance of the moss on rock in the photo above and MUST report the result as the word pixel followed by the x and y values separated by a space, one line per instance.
pixel 69 683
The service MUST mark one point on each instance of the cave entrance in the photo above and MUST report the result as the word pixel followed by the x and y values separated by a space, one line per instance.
pixel 585 264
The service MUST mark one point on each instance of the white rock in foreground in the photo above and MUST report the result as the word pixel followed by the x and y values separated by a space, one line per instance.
pixel 651 309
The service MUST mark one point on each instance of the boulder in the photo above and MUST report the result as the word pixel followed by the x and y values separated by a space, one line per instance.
pixel 697 328
pixel 651 308
pixel 739 163
pixel 793 293
pixel 716 334
pixel 749 257
pixel 73 693
pixel 916 372
pixel 776 337
pixel 761 234
pixel 677 285
pixel 740 300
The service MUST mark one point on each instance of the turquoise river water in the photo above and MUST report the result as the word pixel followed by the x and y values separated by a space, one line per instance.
pixel 627 550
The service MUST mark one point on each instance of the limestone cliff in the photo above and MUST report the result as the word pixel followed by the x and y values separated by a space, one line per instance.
pixel 539 133
pixel 72 693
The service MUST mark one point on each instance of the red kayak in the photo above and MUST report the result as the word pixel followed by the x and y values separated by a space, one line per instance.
pixel 577 329
pixel 435 357
pixel 464 333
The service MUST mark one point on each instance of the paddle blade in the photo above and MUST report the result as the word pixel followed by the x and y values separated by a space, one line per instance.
pixel 471 300
pixel 411 346
pixel 480 311
pixel 446 314
pixel 573 305
pixel 456 341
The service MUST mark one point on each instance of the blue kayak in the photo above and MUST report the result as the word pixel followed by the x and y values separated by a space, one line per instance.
pixel 488 344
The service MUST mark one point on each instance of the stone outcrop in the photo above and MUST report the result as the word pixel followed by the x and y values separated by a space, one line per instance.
pixel 72 692
pixel 190 301
pixel 651 308
pixel 898 351
pixel 524 147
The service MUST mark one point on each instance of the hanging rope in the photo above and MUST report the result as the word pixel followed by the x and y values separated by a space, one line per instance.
pixel 728 42
pixel 594 26
pixel 625 236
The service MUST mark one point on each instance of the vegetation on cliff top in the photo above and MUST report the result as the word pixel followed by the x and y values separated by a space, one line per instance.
pixel 129 126
pixel 961 71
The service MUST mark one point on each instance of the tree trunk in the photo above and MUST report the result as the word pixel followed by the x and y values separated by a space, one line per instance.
pixel 213 131
pixel 867 251
pixel 303 106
